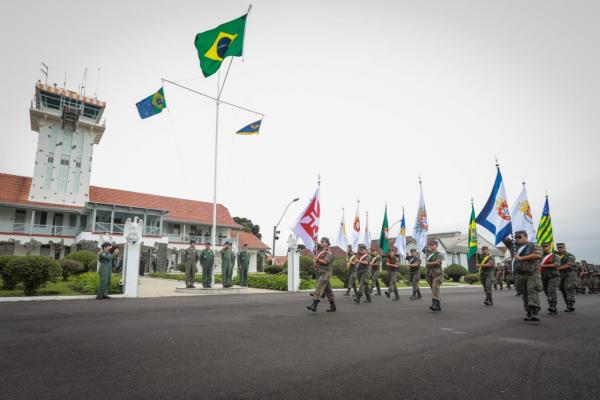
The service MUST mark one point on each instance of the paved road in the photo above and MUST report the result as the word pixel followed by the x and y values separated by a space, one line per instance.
pixel 270 347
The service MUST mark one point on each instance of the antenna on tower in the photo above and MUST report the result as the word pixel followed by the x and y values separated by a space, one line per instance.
pixel 65 81
pixel 97 84
pixel 84 84
pixel 45 70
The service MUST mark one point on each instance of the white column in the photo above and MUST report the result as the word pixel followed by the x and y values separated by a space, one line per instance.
pixel 293 265
pixel 133 235
pixel 32 222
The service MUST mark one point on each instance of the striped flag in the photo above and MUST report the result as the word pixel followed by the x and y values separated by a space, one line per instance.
pixel 472 234
pixel 544 233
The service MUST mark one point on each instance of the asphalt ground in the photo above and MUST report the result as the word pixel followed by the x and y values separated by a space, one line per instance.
pixel 269 346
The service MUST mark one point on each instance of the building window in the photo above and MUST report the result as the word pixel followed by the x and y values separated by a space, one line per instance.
pixel 50 163
pixel 19 222
pixel 73 220
pixel 45 250
pixel 42 218
pixel 83 221
pixel 65 159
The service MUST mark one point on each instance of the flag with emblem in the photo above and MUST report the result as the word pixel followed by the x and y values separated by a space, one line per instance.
pixel 384 244
pixel 520 215
pixel 421 225
pixel 472 234
pixel 251 129
pixel 367 240
pixel 213 46
pixel 544 233
pixel 152 105
pixel 356 230
pixel 342 239
pixel 307 225
pixel 400 242
pixel 495 215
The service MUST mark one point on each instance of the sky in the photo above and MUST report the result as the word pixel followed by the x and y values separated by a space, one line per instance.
pixel 368 95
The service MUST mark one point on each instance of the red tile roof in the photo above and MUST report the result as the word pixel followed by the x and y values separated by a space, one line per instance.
pixel 252 241
pixel 15 190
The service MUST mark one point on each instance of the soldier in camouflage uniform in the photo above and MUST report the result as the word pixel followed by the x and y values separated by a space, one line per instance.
pixel 323 264
pixel 499 274
pixel 363 272
pixel 375 270
pixel 507 273
pixel 527 271
pixel 550 276
pixel 392 264
pixel 190 258
pixel 567 276
pixel 486 267
pixel 414 273
pixel 435 274
pixel 351 276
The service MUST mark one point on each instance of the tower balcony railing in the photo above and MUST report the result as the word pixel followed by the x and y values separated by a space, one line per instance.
pixel 37 229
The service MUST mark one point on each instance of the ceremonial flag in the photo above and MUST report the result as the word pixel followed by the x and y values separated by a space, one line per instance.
pixel 307 225
pixel 251 129
pixel 367 240
pixel 495 215
pixel 356 231
pixel 421 226
pixel 215 45
pixel 400 242
pixel 472 234
pixel 342 239
pixel 521 215
pixel 544 234
pixel 152 104
pixel 383 236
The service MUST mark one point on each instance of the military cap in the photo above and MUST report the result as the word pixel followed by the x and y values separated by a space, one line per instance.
pixel 560 244
pixel 106 244
pixel 411 250
pixel 362 246
pixel 523 233
pixel 433 241
pixel 326 240
pixel 484 248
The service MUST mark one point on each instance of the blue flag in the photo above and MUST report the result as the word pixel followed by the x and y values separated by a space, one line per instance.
pixel 495 215
pixel 251 129
pixel 152 104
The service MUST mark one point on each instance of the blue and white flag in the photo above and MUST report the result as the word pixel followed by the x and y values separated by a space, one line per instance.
pixel 367 241
pixel 400 242
pixel 421 225
pixel 495 215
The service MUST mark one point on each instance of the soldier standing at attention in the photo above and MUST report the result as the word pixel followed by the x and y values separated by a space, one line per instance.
pixel 351 277
pixel 190 257
pixel 393 265
pixel 550 276
pixel 527 270
pixel 434 274
pixel 363 273
pixel 243 260
pixel 207 260
pixel 486 274
pixel 375 270
pixel 323 265
pixel 227 261
pixel 414 267
pixel 105 271
pixel 567 276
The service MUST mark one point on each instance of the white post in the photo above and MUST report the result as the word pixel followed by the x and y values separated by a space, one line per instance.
pixel 133 235
pixel 293 265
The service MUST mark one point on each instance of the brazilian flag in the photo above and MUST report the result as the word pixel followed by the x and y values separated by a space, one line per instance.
pixel 152 104
pixel 226 40
pixel 472 234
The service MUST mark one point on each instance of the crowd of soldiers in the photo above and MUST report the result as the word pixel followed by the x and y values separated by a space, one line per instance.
pixel 531 269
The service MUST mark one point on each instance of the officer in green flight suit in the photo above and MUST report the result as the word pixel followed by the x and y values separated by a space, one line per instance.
pixel 105 271
pixel 243 260
pixel 190 258
pixel 227 261
pixel 207 260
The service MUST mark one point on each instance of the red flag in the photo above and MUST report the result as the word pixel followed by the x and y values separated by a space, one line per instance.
pixel 307 226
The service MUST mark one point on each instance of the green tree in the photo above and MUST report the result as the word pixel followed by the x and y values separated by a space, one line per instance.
pixel 248 226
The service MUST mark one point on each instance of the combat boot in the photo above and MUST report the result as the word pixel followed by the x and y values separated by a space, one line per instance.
pixel 487 300
pixel 413 296
pixel 368 296
pixel 355 291
pixel 387 293
pixel 491 301
pixel 528 316
pixel 418 294
pixel 552 309
pixel 534 315
pixel 396 295
pixel 332 307
pixel 347 292
pixel 570 309
pixel 433 307
pixel 356 298
pixel 495 287
pixel 378 291
pixel 313 306
pixel 438 305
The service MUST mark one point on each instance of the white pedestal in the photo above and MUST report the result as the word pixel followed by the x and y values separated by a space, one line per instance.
pixel 293 269
pixel 131 268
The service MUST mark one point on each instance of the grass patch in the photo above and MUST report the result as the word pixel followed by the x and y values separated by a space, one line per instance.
pixel 58 288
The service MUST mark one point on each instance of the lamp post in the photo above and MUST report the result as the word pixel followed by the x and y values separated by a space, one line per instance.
pixel 275 231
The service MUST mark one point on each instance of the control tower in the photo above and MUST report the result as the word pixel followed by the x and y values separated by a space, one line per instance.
pixel 69 124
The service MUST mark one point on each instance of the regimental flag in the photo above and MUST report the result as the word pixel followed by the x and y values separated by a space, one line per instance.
pixel 367 241
pixel 383 236
pixel 226 40
pixel 342 239
pixel 307 225
pixel 400 242
pixel 356 230
pixel 544 234
pixel 421 225
pixel 495 215
pixel 472 234
pixel 251 129
pixel 521 217
pixel 152 104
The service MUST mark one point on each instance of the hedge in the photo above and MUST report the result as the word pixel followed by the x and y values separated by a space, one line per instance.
pixel 456 271
pixel 472 278
pixel 89 259
pixel 88 283
pixel 9 282
pixel 32 271
pixel 273 269
pixel 70 267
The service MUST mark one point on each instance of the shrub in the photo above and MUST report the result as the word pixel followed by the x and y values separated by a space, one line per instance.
pixel 306 284
pixel 70 267
pixel 273 269
pixel 306 267
pixel 456 271
pixel 89 259
pixel 88 283
pixel 33 272
pixel 423 272
pixel 8 280
pixel 340 268
pixel 471 278
pixel 404 271
pixel 261 280
pixel 180 267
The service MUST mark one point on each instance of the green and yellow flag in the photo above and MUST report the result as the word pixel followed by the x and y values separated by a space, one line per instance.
pixel 226 40
pixel 383 236
pixel 544 233
pixel 472 234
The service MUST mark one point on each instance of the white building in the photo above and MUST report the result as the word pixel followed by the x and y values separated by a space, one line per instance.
pixel 57 210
